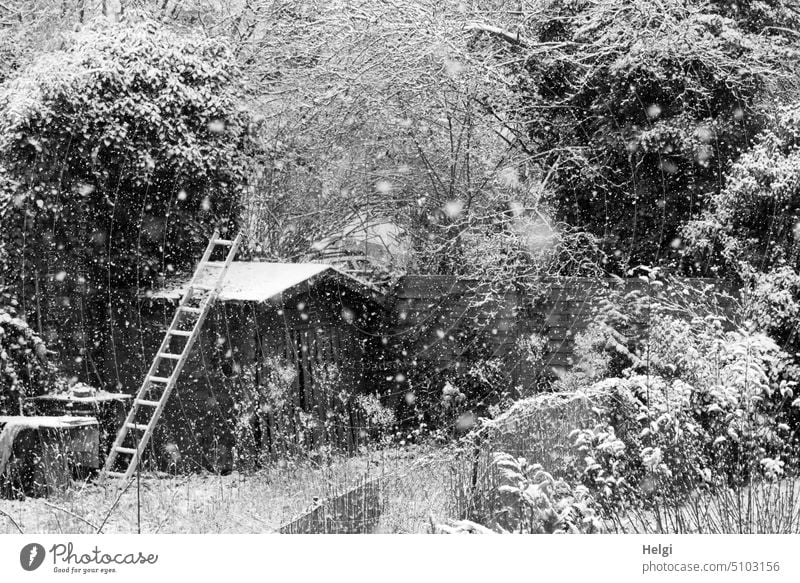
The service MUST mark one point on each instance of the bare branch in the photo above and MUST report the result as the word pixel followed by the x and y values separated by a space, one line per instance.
pixel 505 35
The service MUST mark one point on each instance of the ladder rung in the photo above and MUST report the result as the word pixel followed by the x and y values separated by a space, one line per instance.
pixel 191 304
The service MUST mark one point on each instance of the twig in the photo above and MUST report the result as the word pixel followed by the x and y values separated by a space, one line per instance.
pixel 114 505
pixel 81 518
pixel 506 35
pixel 14 522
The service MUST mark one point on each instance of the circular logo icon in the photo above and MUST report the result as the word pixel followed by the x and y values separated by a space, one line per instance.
pixel 31 556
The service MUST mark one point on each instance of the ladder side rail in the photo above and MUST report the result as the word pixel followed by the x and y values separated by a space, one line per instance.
pixel 205 257
pixel 111 458
pixel 143 388
pixel 196 328
pixel 228 260
pixel 140 394
pixel 167 391
pixel 205 308
pixel 185 298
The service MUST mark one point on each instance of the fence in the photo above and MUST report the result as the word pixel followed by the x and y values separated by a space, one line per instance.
pixel 356 511
pixel 537 429
pixel 458 482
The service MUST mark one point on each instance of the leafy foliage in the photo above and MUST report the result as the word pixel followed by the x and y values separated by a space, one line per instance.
pixel 774 305
pixel 641 106
pixel 537 503
pixel 118 152
pixel 24 368
pixel 674 407
pixel 693 408
pixel 751 224
pixel 750 230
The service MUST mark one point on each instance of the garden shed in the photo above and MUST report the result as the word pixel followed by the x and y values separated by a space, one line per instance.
pixel 284 363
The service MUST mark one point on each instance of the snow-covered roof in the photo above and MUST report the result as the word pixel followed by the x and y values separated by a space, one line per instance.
pixel 256 281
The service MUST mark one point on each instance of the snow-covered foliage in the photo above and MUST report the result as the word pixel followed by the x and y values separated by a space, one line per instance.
pixel 636 108
pixel 24 368
pixel 690 407
pixel 773 300
pixel 117 151
pixel 265 395
pixel 527 499
pixel 752 223
pixel 666 403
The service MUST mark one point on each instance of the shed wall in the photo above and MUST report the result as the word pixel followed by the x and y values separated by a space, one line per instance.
pixel 222 403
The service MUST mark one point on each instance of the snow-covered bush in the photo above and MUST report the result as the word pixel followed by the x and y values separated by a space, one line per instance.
pixel 691 406
pixel 122 147
pixel 24 370
pixel 774 304
pixel 530 500
pixel 751 223
pixel 120 152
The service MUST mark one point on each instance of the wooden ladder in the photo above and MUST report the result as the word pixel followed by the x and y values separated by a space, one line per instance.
pixel 143 416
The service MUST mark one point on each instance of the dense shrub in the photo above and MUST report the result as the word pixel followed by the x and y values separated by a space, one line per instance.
pixel 691 406
pixel 634 109
pixel 774 305
pixel 119 149
pixel 679 406
pixel 119 153
pixel 524 498
pixel 24 369
pixel 751 224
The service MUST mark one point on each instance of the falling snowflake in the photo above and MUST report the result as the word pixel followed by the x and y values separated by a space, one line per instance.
pixel 454 208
